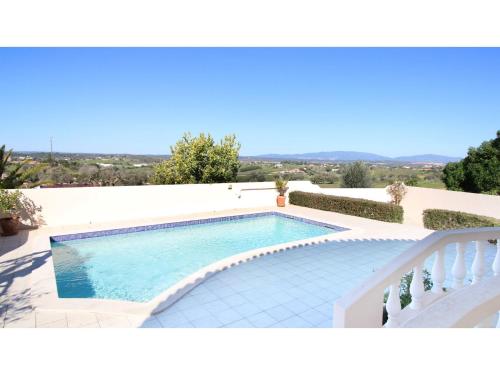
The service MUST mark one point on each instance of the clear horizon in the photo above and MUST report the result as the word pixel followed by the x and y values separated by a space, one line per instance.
pixel 387 101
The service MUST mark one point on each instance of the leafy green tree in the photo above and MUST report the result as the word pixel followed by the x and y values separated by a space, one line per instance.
pixel 453 176
pixel 479 172
pixel 356 175
pixel 13 175
pixel 199 159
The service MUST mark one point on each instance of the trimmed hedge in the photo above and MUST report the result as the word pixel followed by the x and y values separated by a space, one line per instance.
pixel 349 206
pixel 444 219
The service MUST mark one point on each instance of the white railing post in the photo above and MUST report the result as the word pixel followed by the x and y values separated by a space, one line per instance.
pixel 417 290
pixel 393 307
pixel 478 263
pixel 496 262
pixel 496 272
pixel 459 271
pixel 438 273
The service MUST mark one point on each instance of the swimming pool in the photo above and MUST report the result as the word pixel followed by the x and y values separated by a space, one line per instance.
pixel 136 264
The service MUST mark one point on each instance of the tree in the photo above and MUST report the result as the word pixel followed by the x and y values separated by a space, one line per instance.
pixel 13 175
pixel 356 175
pixel 199 159
pixel 453 176
pixel 478 172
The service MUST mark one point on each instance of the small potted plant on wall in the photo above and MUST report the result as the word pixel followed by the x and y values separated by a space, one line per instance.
pixel 282 188
pixel 9 212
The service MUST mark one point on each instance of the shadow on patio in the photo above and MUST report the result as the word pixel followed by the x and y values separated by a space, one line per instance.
pixel 15 292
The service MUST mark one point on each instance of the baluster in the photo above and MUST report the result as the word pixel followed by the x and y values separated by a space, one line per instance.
pixel 417 290
pixel 496 272
pixel 393 307
pixel 438 273
pixel 478 263
pixel 459 270
pixel 496 262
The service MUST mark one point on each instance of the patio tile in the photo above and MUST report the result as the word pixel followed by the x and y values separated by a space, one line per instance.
pixel 282 297
pixel 326 308
pixel 280 313
pixel 314 317
pixel 205 297
pixel 235 300
pixel 46 317
pixel 312 300
pixel 296 322
pixel 195 313
pixel 78 319
pixel 224 292
pixel 243 323
pixel 115 322
pixel 325 324
pixel 206 322
pixel 216 306
pixel 151 322
pixel 57 324
pixel 228 316
pixel 90 325
pixel 266 303
pixel 25 321
pixel 261 320
pixel 247 309
pixel 296 306
pixel 172 320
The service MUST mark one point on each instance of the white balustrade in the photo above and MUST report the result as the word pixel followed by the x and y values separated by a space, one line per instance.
pixel 459 270
pixel 478 266
pixel 438 273
pixel 361 306
pixel 417 290
pixel 393 307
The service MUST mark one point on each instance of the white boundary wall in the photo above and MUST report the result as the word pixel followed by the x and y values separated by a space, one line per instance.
pixel 68 206
pixel 419 199
pixel 374 194
pixel 86 205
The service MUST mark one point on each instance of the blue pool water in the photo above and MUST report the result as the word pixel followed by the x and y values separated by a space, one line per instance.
pixel 138 266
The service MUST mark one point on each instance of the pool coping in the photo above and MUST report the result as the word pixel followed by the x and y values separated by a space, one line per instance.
pixel 184 223
pixel 44 284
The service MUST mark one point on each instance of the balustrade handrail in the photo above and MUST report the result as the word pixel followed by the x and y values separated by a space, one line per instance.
pixel 363 306
pixel 464 308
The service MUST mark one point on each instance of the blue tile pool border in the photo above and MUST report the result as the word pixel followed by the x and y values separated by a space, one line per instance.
pixel 142 228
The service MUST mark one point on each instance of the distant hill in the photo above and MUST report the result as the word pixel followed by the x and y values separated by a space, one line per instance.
pixel 338 156
pixel 427 158
pixel 344 156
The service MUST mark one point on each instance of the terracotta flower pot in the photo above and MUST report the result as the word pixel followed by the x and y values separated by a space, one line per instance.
pixel 10 226
pixel 280 200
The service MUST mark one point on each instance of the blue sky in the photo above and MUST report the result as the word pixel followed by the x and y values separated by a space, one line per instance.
pixel 276 100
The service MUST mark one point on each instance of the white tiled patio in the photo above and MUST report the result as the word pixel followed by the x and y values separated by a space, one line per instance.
pixel 291 289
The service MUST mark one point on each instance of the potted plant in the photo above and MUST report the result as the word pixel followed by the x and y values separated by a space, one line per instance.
pixel 282 188
pixel 9 209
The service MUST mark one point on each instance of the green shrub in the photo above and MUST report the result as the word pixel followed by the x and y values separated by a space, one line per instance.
pixel 349 206
pixel 444 219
